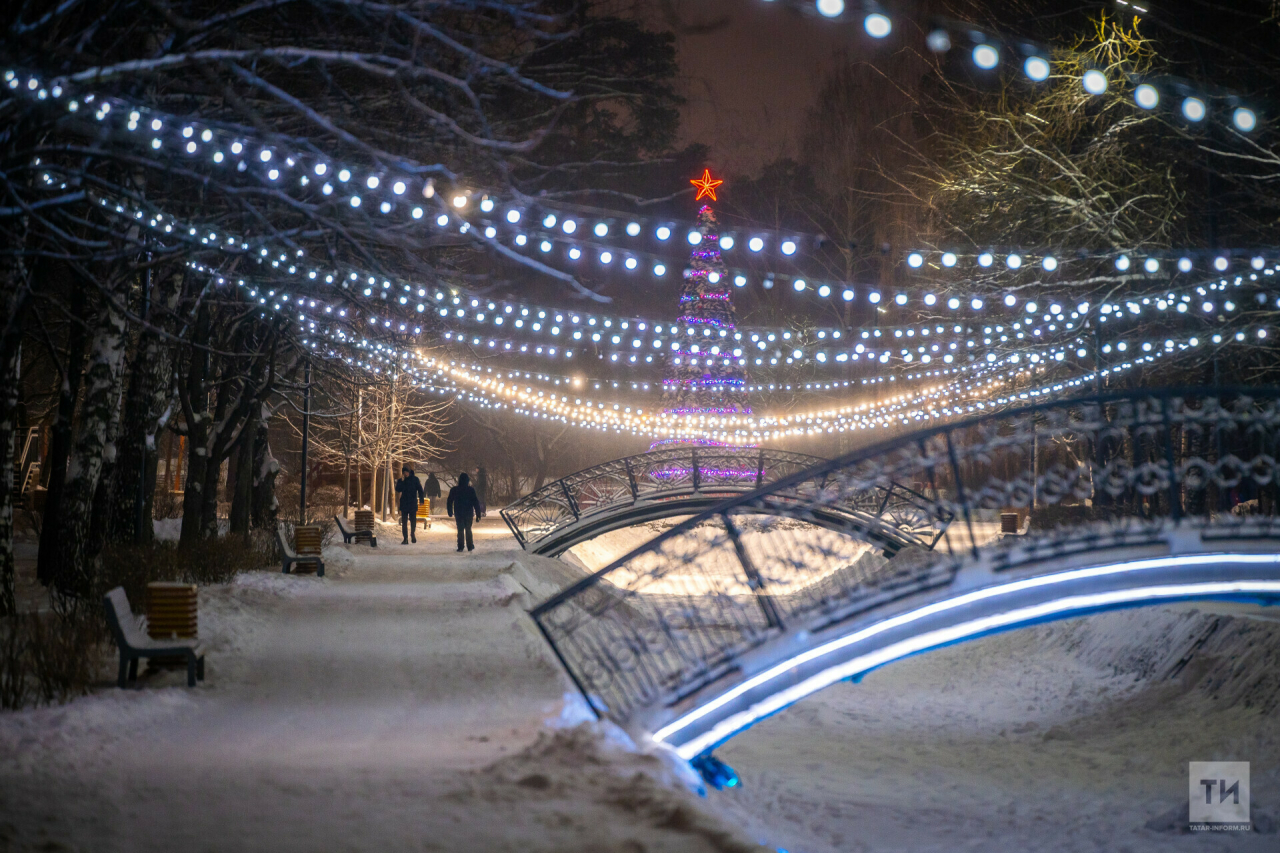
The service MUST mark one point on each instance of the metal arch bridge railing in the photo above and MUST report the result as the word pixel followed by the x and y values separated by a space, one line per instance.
pixel 687 479
pixel 685 620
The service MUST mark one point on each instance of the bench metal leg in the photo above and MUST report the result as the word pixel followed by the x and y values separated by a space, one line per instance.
pixel 285 568
pixel 320 569
pixel 121 680
pixel 200 668
pixel 191 670
pixel 133 669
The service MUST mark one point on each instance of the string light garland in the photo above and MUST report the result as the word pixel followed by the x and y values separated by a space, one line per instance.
pixel 1193 103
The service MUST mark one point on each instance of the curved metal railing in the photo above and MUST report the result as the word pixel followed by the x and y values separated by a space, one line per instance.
pixel 686 479
pixel 683 611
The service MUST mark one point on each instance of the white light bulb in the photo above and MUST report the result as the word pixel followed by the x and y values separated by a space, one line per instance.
pixel 663 233
pixel 1122 263
pixel 1050 263
pixel 399 187
pixel 788 247
pixel 976 304
pixel 726 242
pixel 930 299
pixel 1245 119
pixel 659 270
pixel 915 260
pixel 549 221
pixel 1010 300
pixel 1184 265
pixel 949 259
pixel 847 295
pixel 633 229
pixel 1094 81
pixel 877 25
pixel 830 8
pixel 513 216
pixel 1037 68
pixel 939 41
pixel 1220 263
pixel 459 201
pixel 985 259
pixel 1151 265
pixel 1194 109
pixel 1146 96
pixel 372 182
pixel 1013 261
pixel 344 175
pixel 755 244
pixel 985 56
pixel 694 238
pixel 569 226
pixel 601 229
pixel 798 284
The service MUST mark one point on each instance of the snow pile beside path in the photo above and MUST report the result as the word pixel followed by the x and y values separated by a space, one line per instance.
pixel 1229 659
pixel 601 794
pixel 64 737
pixel 337 559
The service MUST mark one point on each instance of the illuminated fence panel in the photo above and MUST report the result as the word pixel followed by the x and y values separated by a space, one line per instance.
pixel 810 549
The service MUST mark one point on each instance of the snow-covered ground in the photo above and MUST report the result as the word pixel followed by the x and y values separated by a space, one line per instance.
pixel 403 702
pixel 406 702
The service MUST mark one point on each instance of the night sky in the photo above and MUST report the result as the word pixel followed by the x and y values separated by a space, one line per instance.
pixel 751 80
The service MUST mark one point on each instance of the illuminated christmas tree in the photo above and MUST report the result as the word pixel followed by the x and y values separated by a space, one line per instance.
pixel 706 374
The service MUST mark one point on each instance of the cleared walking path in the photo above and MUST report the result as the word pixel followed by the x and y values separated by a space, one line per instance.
pixel 404 702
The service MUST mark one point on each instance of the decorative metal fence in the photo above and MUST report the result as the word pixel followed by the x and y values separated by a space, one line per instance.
pixel 680 612
pixel 659 475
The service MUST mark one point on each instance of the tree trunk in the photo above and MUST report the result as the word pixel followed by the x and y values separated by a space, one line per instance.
pixel 242 494
pixel 10 369
pixel 76 566
pixel 195 408
pixel 59 451
pixel 148 405
pixel 102 510
pixel 265 469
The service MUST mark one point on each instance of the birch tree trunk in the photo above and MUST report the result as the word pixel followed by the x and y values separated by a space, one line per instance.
pixel 75 571
pixel 265 469
pixel 10 368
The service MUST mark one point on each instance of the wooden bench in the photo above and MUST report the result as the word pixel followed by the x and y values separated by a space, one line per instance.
pixel 348 533
pixel 288 556
pixel 133 644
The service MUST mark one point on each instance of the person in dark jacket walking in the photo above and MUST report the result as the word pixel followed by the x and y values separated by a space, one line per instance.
pixel 433 485
pixel 463 505
pixel 409 488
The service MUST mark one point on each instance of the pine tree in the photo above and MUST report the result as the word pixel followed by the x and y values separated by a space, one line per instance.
pixel 704 376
